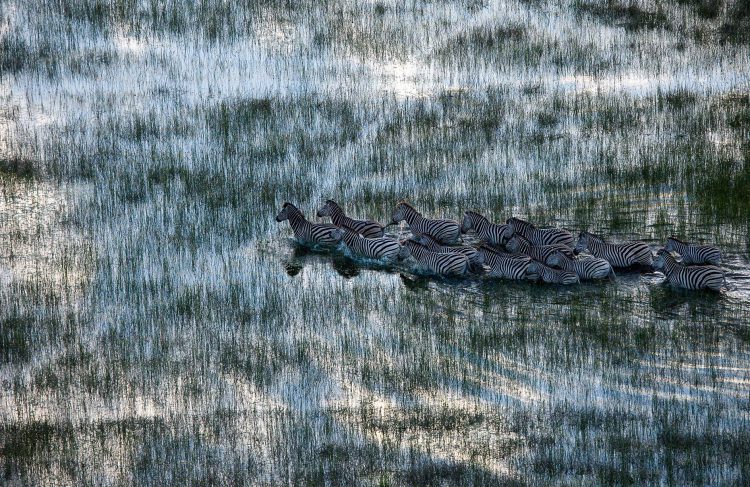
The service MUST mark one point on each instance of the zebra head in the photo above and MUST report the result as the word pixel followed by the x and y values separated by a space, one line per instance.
pixel 533 271
pixel 286 210
pixel 662 257
pixel 555 259
pixel 337 234
pixel 399 214
pixel 327 210
pixel 470 220
pixel 670 246
pixel 582 244
pixel 404 252
pixel 514 243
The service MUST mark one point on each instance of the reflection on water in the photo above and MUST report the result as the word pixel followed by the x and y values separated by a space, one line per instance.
pixel 157 326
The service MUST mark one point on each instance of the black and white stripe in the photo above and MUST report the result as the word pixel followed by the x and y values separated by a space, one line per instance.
pixel 553 276
pixel 539 236
pixel 493 233
pixel 689 277
pixel 444 231
pixel 618 255
pixel 591 268
pixel 305 231
pixel 446 264
pixel 435 246
pixel 382 248
pixel 694 254
pixel 367 228
pixel 519 244
pixel 508 266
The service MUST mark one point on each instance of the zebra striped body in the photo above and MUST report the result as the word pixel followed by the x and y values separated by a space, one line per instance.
pixel 692 277
pixel 538 236
pixel 541 253
pixel 447 264
pixel 367 228
pixel 487 231
pixel 305 231
pixel 383 248
pixel 444 231
pixel 694 254
pixel 553 276
pixel 584 268
pixel 435 246
pixel 508 266
pixel 618 255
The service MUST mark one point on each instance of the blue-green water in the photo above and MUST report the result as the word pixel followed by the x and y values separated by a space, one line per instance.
pixel 157 326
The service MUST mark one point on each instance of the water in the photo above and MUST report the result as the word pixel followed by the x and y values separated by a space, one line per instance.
pixel 157 326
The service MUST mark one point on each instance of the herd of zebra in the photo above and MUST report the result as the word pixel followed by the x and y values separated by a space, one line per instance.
pixel 513 250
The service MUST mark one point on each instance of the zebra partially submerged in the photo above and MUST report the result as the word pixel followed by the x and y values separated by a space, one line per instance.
pixel 541 236
pixel 508 266
pixel 585 268
pixel 618 255
pixel 694 254
pixel 492 233
pixel 553 276
pixel 381 248
pixel 367 228
pixel 440 263
pixel 689 277
pixel 305 231
pixel 471 253
pixel 519 244
pixel 444 231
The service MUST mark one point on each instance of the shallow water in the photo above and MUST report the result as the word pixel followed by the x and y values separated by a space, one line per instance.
pixel 157 326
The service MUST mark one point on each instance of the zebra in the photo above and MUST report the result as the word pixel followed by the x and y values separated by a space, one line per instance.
pixel 381 248
pixel 444 231
pixel 553 276
pixel 585 268
pixel 693 253
pixel 305 231
pixel 509 266
pixel 487 231
pixel 541 236
pixel 519 244
pixel 447 264
pixel 471 253
pixel 367 228
pixel 689 277
pixel 618 255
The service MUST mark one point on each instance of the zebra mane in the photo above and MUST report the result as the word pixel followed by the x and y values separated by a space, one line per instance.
pixel 513 218
pixel 288 204
pixel 677 240
pixel 666 253
pixel 593 235
pixel 476 214
pixel 406 204
pixel 491 250
pixel 430 237
pixel 415 242
pixel 331 202
pixel 522 238
pixel 347 227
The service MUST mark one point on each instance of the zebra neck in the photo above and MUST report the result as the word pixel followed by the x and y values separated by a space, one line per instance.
pixel 669 266
pixel 349 237
pixel 337 215
pixel 297 221
pixel 412 216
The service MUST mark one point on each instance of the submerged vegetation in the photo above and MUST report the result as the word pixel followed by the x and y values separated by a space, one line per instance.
pixel 158 326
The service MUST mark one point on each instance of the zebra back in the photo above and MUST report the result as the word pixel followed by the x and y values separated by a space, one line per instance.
pixel 435 246
pixel 509 266
pixel 689 277
pixel 694 254
pixel 441 263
